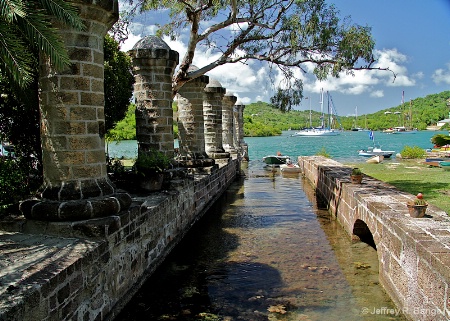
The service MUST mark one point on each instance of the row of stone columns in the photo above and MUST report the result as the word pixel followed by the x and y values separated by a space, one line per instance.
pixel 76 184
pixel 208 119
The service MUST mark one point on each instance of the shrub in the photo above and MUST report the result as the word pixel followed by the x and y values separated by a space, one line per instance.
pixel 323 152
pixel 412 152
pixel 356 171
pixel 15 182
pixel 151 162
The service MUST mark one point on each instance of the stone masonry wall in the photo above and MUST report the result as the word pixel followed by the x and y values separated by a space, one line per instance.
pixel 87 270
pixel 413 253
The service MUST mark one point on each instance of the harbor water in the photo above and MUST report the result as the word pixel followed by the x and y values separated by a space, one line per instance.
pixel 267 250
pixel 343 148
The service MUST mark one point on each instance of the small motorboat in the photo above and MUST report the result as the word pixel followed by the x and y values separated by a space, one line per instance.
pixel 276 160
pixel 374 151
pixel 375 159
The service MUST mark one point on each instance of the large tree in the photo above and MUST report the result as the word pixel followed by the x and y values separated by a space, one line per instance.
pixel 119 82
pixel 26 29
pixel 287 34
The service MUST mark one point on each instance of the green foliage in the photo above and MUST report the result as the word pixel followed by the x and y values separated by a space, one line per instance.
pixel 356 171
pixel 26 29
pixel 124 129
pixel 323 152
pixel 151 162
pixel 440 140
pixel 262 119
pixel 420 201
pixel 118 82
pixel 412 152
pixel 418 113
pixel 16 181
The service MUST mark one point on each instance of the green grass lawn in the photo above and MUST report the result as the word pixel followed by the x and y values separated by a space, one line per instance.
pixel 413 176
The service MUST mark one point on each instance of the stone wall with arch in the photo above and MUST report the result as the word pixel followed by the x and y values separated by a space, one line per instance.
pixel 413 253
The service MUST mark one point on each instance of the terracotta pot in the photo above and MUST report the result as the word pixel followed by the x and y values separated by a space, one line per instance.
pixel 417 211
pixel 356 179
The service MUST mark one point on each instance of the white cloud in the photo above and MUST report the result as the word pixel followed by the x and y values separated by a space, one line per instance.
pixel 130 42
pixel 377 94
pixel 442 75
pixel 394 60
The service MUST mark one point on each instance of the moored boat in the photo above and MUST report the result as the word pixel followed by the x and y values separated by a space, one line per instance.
pixel 374 151
pixel 276 160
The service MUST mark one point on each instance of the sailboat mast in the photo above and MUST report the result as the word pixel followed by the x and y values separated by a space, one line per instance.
pixel 403 103
pixel 321 108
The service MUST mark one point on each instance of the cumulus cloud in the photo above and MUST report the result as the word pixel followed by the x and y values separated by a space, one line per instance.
pixel 377 93
pixel 394 60
pixel 442 75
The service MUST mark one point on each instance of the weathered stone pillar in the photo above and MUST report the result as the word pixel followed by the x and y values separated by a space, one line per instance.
pixel 76 185
pixel 227 122
pixel 212 113
pixel 239 129
pixel 153 66
pixel 191 123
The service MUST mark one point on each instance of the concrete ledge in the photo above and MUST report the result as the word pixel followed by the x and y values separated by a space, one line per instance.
pixel 87 270
pixel 413 253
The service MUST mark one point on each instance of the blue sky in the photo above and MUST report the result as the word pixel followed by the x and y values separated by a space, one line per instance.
pixel 412 38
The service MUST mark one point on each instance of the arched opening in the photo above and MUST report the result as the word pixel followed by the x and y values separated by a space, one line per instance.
pixel 361 230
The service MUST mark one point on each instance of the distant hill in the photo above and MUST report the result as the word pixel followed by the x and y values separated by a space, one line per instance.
pixel 260 119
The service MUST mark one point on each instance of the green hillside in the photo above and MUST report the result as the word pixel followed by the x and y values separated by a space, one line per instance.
pixel 260 119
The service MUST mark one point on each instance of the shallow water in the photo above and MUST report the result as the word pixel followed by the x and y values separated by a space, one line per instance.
pixel 265 251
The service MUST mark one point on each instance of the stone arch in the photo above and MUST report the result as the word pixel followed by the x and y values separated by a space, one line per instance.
pixel 362 231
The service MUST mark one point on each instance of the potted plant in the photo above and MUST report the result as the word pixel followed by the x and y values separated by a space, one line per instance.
pixel 150 167
pixel 418 207
pixel 356 175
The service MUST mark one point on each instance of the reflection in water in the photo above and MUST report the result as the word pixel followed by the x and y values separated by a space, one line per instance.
pixel 265 251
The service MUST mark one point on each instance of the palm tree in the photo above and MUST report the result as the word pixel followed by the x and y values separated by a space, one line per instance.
pixel 26 29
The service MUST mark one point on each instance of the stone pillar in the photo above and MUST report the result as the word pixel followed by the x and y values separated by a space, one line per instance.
pixel 153 66
pixel 227 122
pixel 76 185
pixel 239 129
pixel 191 123
pixel 212 113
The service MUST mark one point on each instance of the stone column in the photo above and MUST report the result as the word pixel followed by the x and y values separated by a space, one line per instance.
pixel 76 185
pixel 153 66
pixel 212 113
pixel 239 129
pixel 227 122
pixel 191 123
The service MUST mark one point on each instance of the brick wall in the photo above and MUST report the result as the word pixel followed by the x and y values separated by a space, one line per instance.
pixel 87 270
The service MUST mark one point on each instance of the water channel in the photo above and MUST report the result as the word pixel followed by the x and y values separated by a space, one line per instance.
pixel 265 251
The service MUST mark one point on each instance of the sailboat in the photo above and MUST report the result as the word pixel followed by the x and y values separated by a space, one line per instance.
pixel 403 129
pixel 321 130
pixel 357 128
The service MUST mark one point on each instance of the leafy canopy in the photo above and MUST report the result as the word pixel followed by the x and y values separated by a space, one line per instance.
pixel 287 34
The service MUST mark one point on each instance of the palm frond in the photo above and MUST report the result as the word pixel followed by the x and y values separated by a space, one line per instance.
pixel 64 11
pixel 16 58
pixel 45 38
pixel 9 9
